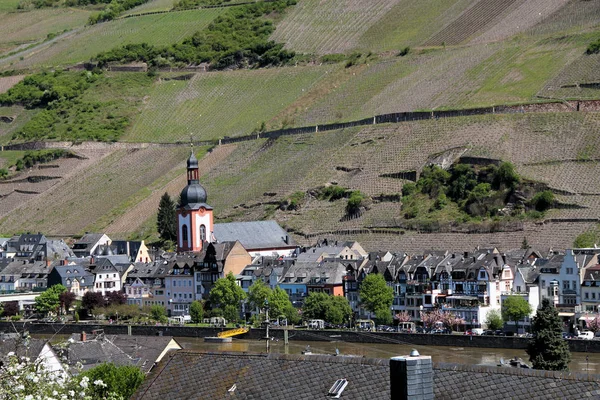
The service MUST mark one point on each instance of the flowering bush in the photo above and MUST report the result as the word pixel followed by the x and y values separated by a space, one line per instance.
pixel 24 379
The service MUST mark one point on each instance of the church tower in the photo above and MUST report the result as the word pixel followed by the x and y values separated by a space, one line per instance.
pixel 194 216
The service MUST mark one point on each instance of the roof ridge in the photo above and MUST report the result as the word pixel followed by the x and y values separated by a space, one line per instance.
pixel 577 376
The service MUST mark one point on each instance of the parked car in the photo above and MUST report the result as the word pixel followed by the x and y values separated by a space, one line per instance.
pixel 586 335
pixel 488 332
pixel 499 332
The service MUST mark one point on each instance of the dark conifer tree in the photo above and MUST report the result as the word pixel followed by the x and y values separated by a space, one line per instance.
pixel 166 220
pixel 547 349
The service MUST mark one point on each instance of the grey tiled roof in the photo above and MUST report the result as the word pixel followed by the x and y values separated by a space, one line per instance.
pixel 146 349
pixel 206 375
pixel 22 348
pixel 254 235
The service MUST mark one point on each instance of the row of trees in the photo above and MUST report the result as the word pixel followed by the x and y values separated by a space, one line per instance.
pixel 226 296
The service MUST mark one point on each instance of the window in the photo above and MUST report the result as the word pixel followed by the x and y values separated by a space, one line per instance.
pixel 594 295
pixel 202 233
pixel 587 295
pixel 569 271
pixel 481 274
pixel 174 283
pixel 184 232
pixel 518 289
pixel 574 283
pixel 190 283
pixel 566 285
pixel 543 284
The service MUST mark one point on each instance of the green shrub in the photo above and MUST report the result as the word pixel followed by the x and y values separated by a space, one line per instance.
pixel 295 200
pixel 441 201
pixel 354 202
pixel 404 51
pixel 333 58
pixel 506 176
pixel 594 47
pixel 332 193
pixel 408 189
pixel 543 200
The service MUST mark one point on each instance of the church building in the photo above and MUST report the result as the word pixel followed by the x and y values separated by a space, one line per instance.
pixel 195 226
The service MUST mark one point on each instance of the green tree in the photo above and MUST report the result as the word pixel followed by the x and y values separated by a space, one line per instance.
pixel 506 176
pixel 315 306
pixel 376 296
pixel 547 349
pixel 515 308
pixel 123 380
pixel 166 220
pixel 280 304
pixel 158 313
pixel 333 309
pixel 493 320
pixel 49 300
pixel 258 293
pixel 197 311
pixel 226 292
pixel 339 310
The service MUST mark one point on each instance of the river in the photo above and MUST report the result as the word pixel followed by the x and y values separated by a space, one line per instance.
pixel 580 362
pixel 459 355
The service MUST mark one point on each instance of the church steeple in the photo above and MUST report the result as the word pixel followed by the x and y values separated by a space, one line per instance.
pixel 194 216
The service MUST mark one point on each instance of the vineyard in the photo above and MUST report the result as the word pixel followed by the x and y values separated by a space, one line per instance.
pixel 81 46
pixel 210 106
pixel 355 59
pixel 151 6
pixel 323 27
pixel 20 28
pixel 94 192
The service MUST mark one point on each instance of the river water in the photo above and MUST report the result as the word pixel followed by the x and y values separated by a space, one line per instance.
pixel 580 362
pixel 459 355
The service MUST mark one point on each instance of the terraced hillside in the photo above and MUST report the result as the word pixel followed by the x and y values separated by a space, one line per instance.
pixel 392 56
pixel 86 42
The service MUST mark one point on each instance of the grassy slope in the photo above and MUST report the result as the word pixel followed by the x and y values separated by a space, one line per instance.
pixel 8 158
pixel 221 104
pixel 151 6
pixel 35 25
pixel 158 29
pixel 21 117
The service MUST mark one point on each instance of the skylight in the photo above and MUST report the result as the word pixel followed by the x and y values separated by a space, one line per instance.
pixel 337 388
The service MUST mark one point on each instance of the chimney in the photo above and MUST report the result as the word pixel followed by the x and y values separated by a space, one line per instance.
pixel 411 377
pixel 83 336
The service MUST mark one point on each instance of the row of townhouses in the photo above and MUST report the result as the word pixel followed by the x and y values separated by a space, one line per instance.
pixel 468 284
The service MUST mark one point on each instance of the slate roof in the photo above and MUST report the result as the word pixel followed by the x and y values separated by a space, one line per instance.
pixel 58 249
pixel 17 346
pixel 96 351
pixel 146 349
pixel 302 272
pixel 592 273
pixel 254 235
pixel 209 375
pixel 27 269
pixel 71 272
